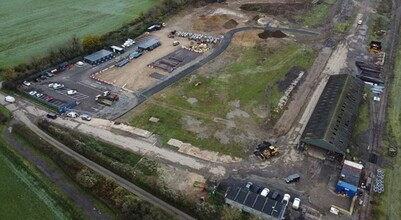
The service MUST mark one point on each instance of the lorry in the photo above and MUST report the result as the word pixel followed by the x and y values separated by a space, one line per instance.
pixel 107 98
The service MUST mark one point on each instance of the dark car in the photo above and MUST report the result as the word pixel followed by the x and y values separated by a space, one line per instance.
pixel 255 188
pixel 275 195
pixel 51 115
pixel 292 178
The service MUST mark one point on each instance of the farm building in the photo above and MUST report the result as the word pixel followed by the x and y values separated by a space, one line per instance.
pixel 254 203
pixel 150 44
pixel 99 57
pixel 330 125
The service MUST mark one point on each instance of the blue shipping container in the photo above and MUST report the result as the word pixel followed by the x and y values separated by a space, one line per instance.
pixel 346 188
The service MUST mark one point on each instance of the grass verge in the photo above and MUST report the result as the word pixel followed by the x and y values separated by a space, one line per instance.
pixel 388 205
pixel 316 16
pixel 25 194
pixel 33 148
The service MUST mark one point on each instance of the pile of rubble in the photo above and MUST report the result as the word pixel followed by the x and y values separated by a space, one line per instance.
pixel 198 37
pixel 378 187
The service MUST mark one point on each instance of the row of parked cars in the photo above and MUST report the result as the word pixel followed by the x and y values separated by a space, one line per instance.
pixel 84 117
pixel 275 195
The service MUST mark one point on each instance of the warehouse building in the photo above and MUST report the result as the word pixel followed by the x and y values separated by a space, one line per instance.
pixel 331 123
pixel 149 44
pixel 254 203
pixel 99 57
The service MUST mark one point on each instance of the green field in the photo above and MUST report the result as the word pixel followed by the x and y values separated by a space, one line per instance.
pixel 389 205
pixel 251 79
pixel 30 27
pixel 20 198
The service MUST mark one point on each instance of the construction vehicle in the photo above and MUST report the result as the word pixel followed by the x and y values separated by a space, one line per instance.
pixel 375 47
pixel 266 150
pixel 107 98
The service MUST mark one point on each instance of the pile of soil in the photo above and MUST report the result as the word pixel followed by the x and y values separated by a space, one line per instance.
pixel 289 77
pixel 275 34
pixel 230 24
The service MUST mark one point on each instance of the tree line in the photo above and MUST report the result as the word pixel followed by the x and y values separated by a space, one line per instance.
pixel 74 49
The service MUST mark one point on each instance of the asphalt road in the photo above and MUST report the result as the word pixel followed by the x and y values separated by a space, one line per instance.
pixel 101 170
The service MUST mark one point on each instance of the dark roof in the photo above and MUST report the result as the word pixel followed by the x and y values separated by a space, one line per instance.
pixel 150 42
pixel 330 125
pixel 254 201
pixel 98 55
pixel 351 173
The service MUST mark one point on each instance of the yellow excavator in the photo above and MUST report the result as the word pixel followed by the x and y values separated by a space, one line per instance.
pixel 265 150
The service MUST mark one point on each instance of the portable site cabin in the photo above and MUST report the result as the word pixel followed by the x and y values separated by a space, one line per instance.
pixel 346 189
pixel 149 45
pixel 99 57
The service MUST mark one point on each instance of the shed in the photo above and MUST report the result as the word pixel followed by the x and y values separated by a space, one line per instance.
pixel 346 189
pixel 150 44
pixel 99 57
pixel 351 172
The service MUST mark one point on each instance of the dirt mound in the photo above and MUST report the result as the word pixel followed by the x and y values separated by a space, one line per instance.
pixel 274 34
pixel 209 23
pixel 289 77
pixel 230 24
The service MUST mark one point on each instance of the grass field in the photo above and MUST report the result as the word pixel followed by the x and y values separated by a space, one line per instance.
pixel 251 79
pixel 20 198
pixel 389 205
pixel 29 28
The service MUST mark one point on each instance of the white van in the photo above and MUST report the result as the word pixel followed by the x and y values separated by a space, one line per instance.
pixel 296 203
pixel 9 99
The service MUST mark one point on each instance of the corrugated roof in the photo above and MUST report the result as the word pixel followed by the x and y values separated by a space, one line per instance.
pixel 98 55
pixel 330 125
pixel 351 173
pixel 150 42
pixel 254 201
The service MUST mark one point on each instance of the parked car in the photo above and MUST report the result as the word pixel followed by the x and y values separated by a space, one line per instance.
pixel 255 188
pixel 86 117
pixel 286 198
pixel 265 192
pixel 33 92
pixel 49 99
pixel 58 86
pixel 292 178
pixel 72 114
pixel 49 74
pixel 9 99
pixel 51 115
pixel 296 203
pixel 39 95
pixel 71 92
pixel 248 185
pixel 26 83
pixel 275 195
pixel 359 22
pixel 43 77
